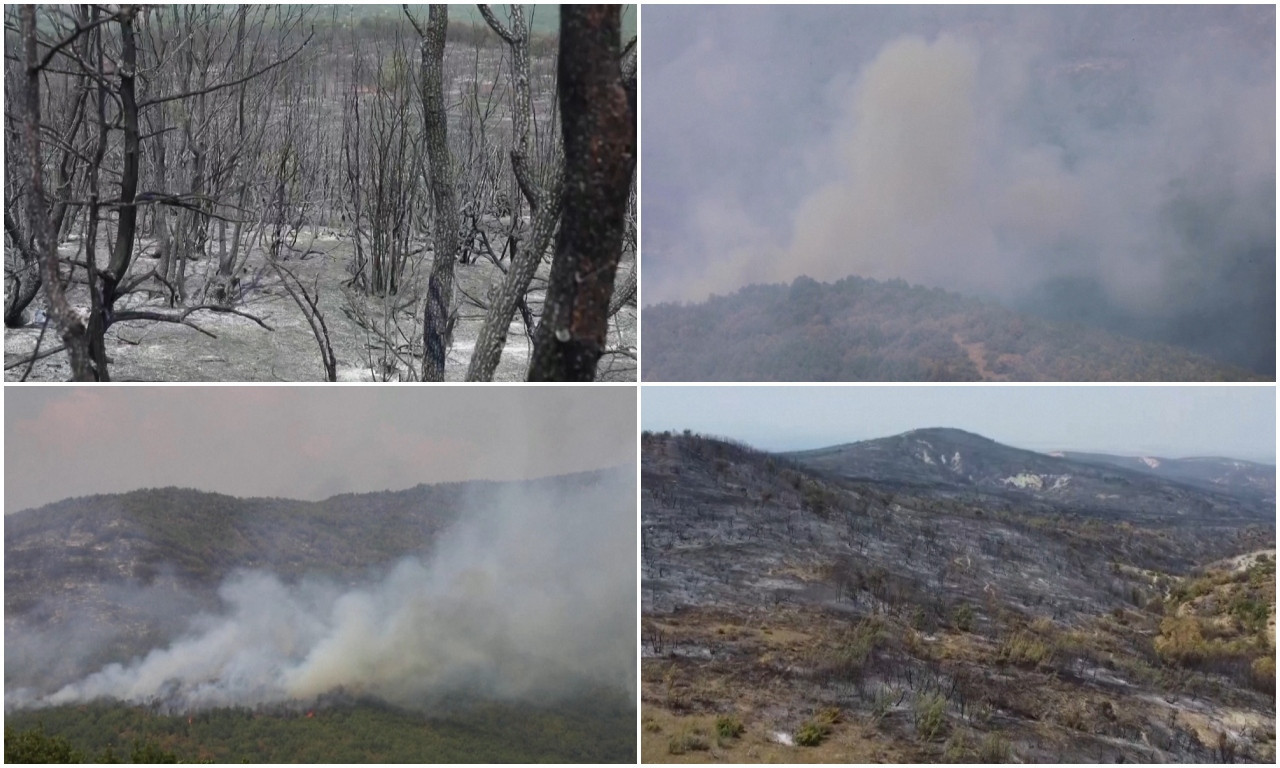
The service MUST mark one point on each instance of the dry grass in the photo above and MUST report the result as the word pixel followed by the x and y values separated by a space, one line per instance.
pixel 845 743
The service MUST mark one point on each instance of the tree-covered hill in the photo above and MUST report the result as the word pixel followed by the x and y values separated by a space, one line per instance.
pixel 857 329
pixel 593 729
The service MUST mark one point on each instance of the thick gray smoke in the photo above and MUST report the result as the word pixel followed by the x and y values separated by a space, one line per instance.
pixel 1113 165
pixel 532 599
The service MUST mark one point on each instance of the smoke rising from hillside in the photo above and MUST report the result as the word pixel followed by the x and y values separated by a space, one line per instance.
pixel 1105 165
pixel 532 599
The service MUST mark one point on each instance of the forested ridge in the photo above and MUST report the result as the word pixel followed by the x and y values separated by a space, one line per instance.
pixel 859 329
pixel 591 729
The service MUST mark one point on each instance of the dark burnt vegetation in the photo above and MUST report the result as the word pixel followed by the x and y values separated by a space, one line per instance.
pixel 292 170
pixel 943 624
pixel 858 329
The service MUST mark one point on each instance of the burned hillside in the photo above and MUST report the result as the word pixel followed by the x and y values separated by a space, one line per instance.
pixel 872 618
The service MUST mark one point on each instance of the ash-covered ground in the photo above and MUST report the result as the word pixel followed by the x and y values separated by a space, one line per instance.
pixel 829 619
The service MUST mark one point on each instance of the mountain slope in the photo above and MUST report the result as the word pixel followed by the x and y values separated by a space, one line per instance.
pixel 863 330
pixel 102 580
pixel 888 608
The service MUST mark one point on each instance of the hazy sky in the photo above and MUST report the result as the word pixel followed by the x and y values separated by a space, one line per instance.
pixel 1106 164
pixel 302 442
pixel 1172 422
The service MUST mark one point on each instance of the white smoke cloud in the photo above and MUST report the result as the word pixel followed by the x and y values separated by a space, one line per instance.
pixel 1064 160
pixel 938 184
pixel 909 144
pixel 534 598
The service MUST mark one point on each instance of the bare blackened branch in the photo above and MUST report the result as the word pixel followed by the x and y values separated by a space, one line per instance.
pixel 230 83
pixel 181 317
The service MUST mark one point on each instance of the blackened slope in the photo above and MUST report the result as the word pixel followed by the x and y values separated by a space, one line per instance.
pixel 191 540
pixel 726 526
pixel 864 330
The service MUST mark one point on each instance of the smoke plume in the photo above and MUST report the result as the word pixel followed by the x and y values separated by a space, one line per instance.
pixel 1106 165
pixel 533 598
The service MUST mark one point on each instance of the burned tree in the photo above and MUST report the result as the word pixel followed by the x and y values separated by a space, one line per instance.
pixel 71 326
pixel 598 114
pixel 187 154
pixel 544 202
pixel 102 49
pixel 437 326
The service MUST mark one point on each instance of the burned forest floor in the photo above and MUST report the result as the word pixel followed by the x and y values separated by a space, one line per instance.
pixel 791 617
pixel 374 338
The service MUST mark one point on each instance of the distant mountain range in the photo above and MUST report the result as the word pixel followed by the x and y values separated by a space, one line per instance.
pixel 1213 473
pixel 864 330
pixel 1152 491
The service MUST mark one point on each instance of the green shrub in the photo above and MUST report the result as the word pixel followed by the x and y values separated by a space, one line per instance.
pixel 816 499
pixel 729 727
pixel 881 704
pixel 812 733
pixel 962 617
pixel 34 746
pixel 1262 567
pixel 847 661
pixel 829 716
pixel 930 716
pixel 1252 612
pixel 148 752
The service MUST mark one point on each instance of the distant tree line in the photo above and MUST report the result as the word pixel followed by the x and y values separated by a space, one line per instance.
pixel 858 329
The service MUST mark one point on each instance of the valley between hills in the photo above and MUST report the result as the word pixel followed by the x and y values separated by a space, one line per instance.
pixel 937 596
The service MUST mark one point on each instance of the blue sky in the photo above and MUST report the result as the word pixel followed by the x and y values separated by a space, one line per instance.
pixel 1172 422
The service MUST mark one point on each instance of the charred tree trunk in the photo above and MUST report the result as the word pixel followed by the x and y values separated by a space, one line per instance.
pixel 97 316
pixel 437 321
pixel 227 258
pixel 598 114
pixel 515 284
pixel 544 206
pixel 71 326
pixel 22 283
pixel 127 221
